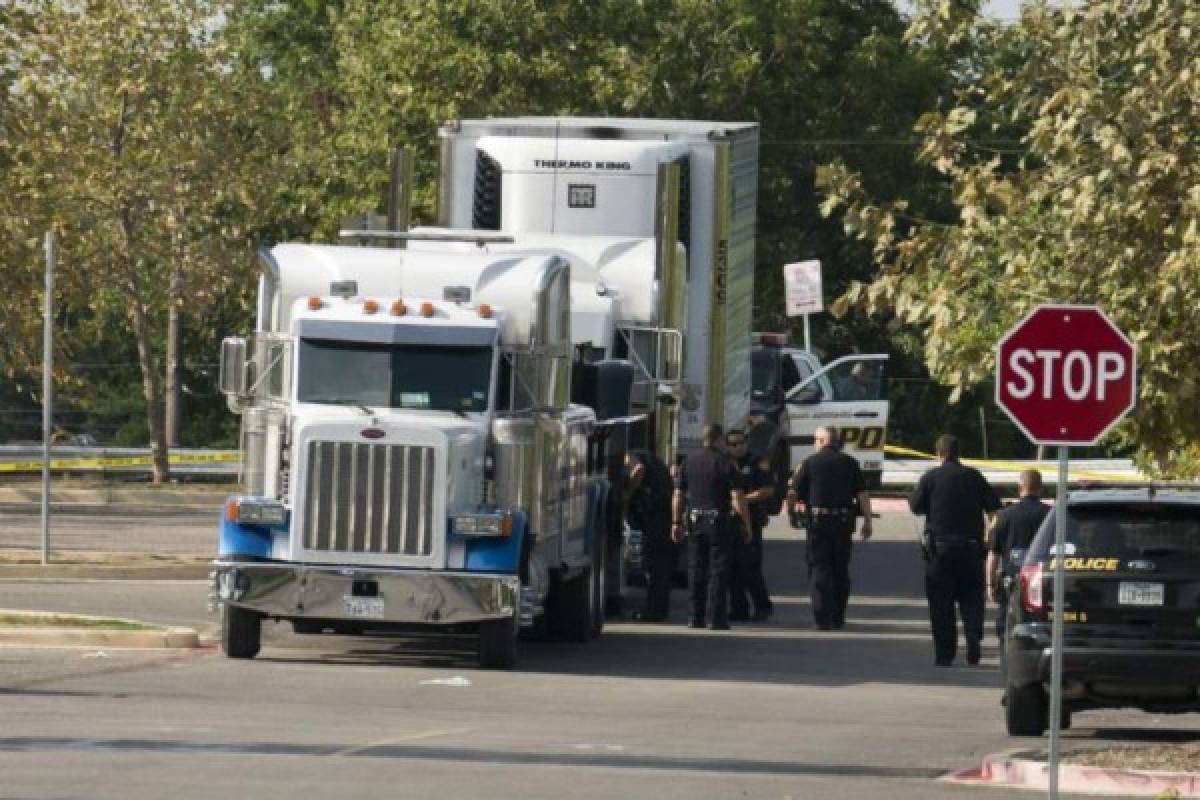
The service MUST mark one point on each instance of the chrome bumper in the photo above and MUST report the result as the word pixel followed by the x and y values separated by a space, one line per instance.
pixel 303 591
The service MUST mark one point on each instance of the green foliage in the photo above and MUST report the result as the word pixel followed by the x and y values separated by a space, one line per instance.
pixel 159 142
pixel 136 140
pixel 1072 158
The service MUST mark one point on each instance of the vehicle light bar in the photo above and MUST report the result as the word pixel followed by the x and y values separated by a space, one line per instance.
pixel 770 339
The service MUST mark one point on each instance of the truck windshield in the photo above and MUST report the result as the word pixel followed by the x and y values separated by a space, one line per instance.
pixel 425 377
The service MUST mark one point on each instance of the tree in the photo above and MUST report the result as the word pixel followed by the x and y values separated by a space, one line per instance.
pixel 135 139
pixel 1072 156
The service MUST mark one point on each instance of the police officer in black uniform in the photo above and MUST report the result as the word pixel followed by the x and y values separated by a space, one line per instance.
pixel 954 499
pixel 711 483
pixel 758 484
pixel 649 488
pixel 1014 531
pixel 829 483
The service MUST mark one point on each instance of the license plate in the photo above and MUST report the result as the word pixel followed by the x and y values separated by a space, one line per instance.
pixel 1138 593
pixel 364 607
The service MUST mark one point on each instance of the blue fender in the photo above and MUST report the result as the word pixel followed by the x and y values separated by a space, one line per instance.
pixel 488 554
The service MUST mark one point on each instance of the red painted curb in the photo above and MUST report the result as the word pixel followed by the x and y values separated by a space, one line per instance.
pixel 1006 769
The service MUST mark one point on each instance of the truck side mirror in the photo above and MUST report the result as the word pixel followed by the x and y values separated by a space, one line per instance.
pixel 232 380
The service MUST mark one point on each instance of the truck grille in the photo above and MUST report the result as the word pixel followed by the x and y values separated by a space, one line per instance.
pixel 369 498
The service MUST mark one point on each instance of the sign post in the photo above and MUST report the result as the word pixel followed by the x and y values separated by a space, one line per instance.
pixel 803 294
pixel 1065 375
pixel 47 391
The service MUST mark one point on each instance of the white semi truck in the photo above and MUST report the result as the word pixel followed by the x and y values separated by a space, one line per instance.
pixel 434 422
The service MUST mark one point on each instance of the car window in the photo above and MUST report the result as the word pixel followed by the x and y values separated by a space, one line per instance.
pixel 1126 531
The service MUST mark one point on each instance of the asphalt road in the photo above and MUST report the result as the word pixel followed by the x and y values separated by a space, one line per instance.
pixel 774 710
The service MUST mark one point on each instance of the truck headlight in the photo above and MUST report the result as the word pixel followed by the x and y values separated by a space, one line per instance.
pixel 255 511
pixel 499 524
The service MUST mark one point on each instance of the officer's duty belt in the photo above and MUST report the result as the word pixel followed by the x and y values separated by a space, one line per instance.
pixel 698 514
pixel 822 511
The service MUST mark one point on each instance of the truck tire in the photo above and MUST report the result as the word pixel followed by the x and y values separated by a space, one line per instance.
pixel 241 632
pixel 1025 710
pixel 498 643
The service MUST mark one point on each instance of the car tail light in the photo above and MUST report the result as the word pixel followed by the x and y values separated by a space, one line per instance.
pixel 1032 598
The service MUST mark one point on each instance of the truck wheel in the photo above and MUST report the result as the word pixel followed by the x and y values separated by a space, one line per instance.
pixel 498 643
pixel 241 632
pixel 1025 711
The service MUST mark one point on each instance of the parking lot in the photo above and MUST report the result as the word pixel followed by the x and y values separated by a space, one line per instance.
pixel 777 709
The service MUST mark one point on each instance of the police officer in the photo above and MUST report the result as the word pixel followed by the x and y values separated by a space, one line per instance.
pixel 1014 531
pixel 954 499
pixel 710 480
pixel 649 488
pixel 829 483
pixel 747 576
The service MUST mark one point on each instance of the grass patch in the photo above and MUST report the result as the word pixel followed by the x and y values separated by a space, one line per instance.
pixel 65 621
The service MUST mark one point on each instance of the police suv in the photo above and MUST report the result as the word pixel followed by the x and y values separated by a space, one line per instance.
pixel 1131 614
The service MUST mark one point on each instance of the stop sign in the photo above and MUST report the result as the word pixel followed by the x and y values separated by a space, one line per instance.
pixel 1065 374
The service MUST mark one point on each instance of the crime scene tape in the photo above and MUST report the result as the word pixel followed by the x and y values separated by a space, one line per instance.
pixel 35 465
pixel 1014 466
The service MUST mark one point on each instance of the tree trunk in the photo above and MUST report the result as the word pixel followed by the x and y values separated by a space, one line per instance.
pixel 174 324
pixel 151 392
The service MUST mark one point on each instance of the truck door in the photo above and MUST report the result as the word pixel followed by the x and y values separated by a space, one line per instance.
pixel 850 394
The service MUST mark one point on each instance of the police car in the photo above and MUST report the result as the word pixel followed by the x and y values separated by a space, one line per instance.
pixel 1131 613
pixel 798 394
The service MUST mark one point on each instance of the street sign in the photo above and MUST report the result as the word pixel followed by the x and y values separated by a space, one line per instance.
pixel 1065 374
pixel 802 288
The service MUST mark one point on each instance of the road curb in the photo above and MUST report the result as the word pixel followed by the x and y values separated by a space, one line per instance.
pixel 184 499
pixel 106 572
pixel 161 637
pixel 1018 770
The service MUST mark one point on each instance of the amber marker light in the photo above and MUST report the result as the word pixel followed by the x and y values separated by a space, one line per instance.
pixel 314 304
pixel 370 306
pixel 485 311
pixel 231 510
pixel 427 309
pixel 398 309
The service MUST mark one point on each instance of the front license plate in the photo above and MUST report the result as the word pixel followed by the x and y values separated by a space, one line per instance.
pixel 1139 593
pixel 364 607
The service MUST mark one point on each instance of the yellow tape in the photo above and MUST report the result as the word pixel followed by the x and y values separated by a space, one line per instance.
pixel 1013 466
pixel 120 461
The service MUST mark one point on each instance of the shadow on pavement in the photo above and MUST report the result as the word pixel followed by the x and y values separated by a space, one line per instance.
pixel 884 642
